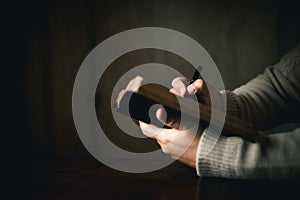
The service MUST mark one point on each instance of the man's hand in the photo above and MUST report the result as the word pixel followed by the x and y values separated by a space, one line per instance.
pixel 181 144
pixel 203 91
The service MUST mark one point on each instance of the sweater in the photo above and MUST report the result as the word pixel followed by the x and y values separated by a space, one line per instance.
pixel 267 101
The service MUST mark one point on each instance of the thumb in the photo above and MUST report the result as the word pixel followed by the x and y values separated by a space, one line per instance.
pixel 198 87
pixel 170 120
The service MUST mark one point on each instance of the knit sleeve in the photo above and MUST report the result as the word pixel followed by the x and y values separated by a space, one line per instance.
pixel 271 99
pixel 232 106
pixel 275 156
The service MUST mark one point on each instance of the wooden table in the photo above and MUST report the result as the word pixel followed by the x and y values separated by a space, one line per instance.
pixel 89 179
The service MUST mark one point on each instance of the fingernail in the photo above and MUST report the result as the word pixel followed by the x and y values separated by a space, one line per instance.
pixel 191 89
pixel 182 91
pixel 198 83
pixel 161 114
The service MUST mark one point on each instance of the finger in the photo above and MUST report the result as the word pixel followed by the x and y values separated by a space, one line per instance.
pixel 161 115
pixel 196 87
pixel 150 130
pixel 174 120
pixel 172 90
pixel 179 84
pixel 168 120
pixel 166 148
pixel 164 136
pixel 171 149
pixel 202 88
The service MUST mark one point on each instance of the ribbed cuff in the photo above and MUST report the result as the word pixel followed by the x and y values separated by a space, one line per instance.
pixel 217 157
pixel 233 107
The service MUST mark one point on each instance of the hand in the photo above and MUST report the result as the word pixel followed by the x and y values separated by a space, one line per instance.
pixel 182 88
pixel 180 144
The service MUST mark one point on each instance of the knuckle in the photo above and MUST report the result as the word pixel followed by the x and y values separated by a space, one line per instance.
pixel 164 139
pixel 172 90
pixel 165 149
pixel 172 122
pixel 178 81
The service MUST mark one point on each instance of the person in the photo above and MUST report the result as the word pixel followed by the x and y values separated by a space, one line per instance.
pixel 270 99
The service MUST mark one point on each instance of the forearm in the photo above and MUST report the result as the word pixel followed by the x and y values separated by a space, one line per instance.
pixel 276 156
pixel 273 97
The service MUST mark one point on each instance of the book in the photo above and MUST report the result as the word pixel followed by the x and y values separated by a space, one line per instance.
pixel 139 96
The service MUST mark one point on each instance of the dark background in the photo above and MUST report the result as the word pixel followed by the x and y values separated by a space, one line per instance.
pixel 44 43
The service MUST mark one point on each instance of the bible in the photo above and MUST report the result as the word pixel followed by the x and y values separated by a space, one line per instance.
pixel 139 96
